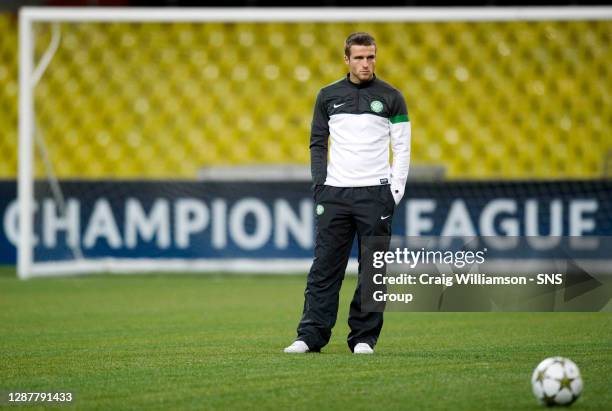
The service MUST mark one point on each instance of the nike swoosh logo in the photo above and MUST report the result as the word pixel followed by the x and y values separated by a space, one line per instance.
pixel 338 105
pixel 385 217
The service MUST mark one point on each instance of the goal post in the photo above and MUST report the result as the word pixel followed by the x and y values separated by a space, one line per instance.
pixel 182 213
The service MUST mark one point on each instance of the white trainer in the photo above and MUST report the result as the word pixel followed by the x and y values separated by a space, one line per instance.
pixel 363 348
pixel 298 347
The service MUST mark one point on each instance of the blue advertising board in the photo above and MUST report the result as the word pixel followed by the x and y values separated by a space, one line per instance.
pixel 200 220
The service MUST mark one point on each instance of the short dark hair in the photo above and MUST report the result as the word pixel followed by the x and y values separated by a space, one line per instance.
pixel 359 38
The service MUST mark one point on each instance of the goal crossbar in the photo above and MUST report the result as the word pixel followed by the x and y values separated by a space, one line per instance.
pixel 309 14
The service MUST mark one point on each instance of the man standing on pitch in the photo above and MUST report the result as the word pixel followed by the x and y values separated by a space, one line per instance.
pixel 355 192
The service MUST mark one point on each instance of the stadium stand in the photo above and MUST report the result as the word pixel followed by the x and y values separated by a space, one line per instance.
pixel 487 100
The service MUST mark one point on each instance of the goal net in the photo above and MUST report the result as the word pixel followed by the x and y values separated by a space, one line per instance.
pixel 122 109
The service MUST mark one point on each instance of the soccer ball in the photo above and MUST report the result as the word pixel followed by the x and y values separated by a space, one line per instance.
pixel 556 381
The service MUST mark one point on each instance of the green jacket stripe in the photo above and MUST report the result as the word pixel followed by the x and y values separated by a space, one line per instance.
pixel 402 118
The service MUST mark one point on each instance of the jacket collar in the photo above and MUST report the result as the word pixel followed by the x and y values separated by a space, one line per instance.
pixel 360 85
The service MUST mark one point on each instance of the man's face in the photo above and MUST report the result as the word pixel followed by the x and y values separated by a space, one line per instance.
pixel 361 63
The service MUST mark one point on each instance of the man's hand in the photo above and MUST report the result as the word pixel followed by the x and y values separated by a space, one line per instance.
pixel 316 190
pixel 398 192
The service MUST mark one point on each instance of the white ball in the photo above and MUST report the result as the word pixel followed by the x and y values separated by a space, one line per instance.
pixel 556 381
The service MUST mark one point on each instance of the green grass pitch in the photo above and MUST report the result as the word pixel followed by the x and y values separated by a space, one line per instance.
pixel 214 342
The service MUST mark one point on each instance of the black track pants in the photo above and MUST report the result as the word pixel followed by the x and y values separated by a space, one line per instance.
pixel 340 214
